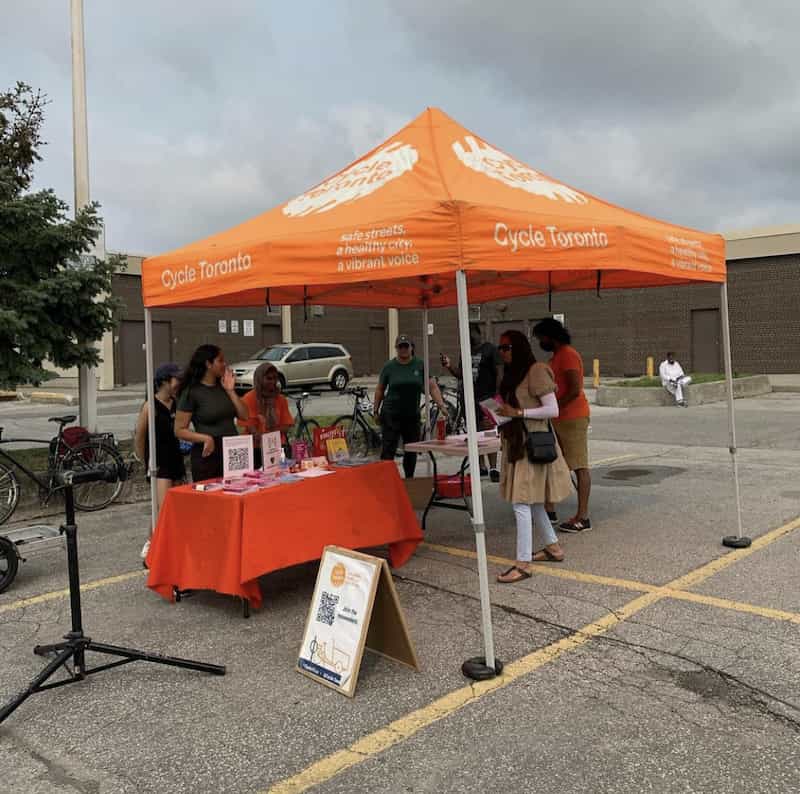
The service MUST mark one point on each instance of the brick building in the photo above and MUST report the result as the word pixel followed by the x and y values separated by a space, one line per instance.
pixel 620 327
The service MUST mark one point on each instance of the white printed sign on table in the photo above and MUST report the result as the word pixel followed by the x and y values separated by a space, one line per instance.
pixel 237 455
pixel 355 605
pixel 271 450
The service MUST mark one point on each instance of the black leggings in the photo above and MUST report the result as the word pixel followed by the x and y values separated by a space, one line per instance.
pixel 206 468
pixel 397 427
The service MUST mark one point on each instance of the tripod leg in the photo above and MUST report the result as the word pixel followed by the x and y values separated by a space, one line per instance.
pixel 142 656
pixel 44 650
pixel 33 687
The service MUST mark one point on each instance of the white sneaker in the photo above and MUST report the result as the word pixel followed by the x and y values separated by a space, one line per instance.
pixel 145 549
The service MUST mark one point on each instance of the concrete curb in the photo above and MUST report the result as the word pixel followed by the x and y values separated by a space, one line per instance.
pixel 696 394
pixel 49 397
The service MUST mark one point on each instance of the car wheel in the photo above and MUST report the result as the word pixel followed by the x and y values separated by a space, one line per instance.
pixel 339 380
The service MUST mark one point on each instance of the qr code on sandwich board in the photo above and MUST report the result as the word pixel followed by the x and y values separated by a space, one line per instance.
pixel 326 612
pixel 238 459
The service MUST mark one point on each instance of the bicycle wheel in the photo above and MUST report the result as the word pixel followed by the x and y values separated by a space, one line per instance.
pixel 9 562
pixel 9 492
pixel 90 496
pixel 360 439
pixel 305 432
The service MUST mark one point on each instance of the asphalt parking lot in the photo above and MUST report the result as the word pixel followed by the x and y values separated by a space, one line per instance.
pixel 652 659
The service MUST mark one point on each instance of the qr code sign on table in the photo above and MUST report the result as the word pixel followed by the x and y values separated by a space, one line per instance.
pixel 238 459
pixel 326 613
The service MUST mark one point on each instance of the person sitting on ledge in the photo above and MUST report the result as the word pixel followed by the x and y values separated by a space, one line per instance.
pixel 673 378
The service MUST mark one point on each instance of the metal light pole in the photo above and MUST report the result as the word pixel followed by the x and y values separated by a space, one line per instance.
pixel 87 380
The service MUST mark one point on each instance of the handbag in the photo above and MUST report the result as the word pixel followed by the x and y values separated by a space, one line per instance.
pixel 541 445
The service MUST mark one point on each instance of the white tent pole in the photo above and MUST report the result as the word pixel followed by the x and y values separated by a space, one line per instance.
pixel 735 541
pixel 426 353
pixel 477 495
pixel 151 411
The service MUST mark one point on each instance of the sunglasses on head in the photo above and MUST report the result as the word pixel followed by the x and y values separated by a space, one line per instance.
pixel 504 348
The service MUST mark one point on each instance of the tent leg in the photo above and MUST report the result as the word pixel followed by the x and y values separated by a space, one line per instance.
pixel 151 409
pixel 426 353
pixel 486 666
pixel 737 541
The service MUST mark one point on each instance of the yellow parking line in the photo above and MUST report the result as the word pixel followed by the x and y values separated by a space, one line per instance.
pixel 410 724
pixel 407 726
pixel 547 569
pixel 677 592
pixel 615 459
pixel 56 594
pixel 735 606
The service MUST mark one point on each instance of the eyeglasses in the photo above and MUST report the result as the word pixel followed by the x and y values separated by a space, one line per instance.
pixel 403 345
pixel 504 348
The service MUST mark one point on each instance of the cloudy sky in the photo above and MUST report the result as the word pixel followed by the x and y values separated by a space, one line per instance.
pixel 202 114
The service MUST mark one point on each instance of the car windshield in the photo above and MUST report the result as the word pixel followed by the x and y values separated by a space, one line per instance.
pixel 272 353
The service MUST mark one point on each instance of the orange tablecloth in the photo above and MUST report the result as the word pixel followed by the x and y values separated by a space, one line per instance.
pixel 224 542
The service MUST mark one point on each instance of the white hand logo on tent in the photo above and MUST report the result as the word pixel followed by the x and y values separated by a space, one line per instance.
pixel 487 160
pixel 357 181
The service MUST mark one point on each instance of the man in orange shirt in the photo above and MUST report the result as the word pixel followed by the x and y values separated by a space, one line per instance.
pixel 572 425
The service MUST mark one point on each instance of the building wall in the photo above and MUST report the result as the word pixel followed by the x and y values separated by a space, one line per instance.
pixel 620 327
pixel 623 327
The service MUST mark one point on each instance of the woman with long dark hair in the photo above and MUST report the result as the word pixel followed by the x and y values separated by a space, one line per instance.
pixel 528 393
pixel 207 400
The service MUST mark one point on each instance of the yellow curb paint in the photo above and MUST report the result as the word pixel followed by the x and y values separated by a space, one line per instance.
pixel 401 729
pixel 56 594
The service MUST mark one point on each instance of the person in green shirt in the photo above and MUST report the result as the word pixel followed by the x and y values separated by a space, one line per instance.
pixel 207 400
pixel 397 402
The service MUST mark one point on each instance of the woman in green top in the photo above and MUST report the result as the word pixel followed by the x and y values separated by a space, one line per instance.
pixel 397 399
pixel 207 399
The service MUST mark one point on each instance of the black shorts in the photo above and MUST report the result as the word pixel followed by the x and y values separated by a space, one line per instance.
pixel 206 468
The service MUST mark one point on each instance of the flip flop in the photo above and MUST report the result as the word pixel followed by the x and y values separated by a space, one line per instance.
pixel 522 574
pixel 543 555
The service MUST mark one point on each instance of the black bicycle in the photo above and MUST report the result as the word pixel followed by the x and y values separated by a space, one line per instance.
pixel 303 428
pixel 67 451
pixel 453 398
pixel 363 436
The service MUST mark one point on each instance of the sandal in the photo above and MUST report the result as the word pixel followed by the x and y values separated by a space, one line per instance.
pixel 545 555
pixel 519 575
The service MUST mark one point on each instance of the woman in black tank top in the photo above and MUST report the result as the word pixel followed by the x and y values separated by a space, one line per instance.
pixel 169 458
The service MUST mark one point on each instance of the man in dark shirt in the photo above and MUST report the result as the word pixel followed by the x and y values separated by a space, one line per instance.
pixel 485 380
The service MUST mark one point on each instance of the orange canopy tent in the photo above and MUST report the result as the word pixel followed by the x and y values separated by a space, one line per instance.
pixel 392 229
pixel 404 225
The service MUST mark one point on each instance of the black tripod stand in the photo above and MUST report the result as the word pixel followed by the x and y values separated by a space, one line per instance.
pixel 70 654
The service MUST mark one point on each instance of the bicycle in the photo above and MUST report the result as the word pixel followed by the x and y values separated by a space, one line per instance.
pixel 362 436
pixel 303 428
pixel 67 452
pixel 454 400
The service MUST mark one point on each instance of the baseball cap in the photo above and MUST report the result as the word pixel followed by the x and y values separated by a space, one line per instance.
pixel 402 340
pixel 165 372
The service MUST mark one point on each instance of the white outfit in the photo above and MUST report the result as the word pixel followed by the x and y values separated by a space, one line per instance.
pixel 525 515
pixel 673 379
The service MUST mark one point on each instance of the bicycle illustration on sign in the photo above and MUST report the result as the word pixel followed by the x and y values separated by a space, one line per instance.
pixel 335 659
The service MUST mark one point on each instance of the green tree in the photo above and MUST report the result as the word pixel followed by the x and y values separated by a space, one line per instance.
pixel 51 307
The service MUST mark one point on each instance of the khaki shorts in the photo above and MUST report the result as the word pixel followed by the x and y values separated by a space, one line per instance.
pixel 573 438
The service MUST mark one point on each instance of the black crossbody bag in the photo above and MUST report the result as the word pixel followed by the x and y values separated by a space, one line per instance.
pixel 541 446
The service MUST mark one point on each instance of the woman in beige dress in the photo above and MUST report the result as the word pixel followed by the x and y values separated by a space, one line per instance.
pixel 528 392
